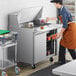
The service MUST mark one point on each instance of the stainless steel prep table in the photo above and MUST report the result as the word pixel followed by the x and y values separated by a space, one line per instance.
pixel 32 42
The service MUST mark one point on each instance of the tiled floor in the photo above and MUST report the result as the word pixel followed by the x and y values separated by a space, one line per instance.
pixel 26 70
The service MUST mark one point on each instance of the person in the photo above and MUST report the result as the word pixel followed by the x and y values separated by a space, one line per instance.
pixel 68 32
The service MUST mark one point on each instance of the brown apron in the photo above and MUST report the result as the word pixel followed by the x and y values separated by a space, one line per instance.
pixel 69 37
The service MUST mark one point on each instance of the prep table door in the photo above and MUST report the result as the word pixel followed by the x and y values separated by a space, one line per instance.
pixel 40 47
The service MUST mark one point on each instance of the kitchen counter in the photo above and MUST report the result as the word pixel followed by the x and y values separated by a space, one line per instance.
pixel 68 69
pixel 38 30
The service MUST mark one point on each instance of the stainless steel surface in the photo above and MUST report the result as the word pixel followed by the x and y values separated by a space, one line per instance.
pixel 31 41
pixel 39 47
pixel 29 14
pixel 68 69
pixel 6 63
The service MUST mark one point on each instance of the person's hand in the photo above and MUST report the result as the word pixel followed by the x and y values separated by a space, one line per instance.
pixel 61 32
pixel 54 18
pixel 58 35
pixel 47 19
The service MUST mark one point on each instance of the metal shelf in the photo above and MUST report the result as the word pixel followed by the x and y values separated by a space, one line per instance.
pixel 8 45
pixel 7 64
pixel 69 2
pixel 71 6
pixel 6 41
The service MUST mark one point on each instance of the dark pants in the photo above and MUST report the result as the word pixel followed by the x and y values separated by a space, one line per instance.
pixel 62 53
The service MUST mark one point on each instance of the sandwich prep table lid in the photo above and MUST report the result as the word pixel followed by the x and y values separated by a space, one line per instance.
pixel 29 14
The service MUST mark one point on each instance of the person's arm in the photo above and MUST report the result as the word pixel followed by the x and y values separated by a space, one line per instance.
pixel 65 25
pixel 48 19
pixel 61 32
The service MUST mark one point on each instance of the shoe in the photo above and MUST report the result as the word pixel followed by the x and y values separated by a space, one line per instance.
pixel 60 63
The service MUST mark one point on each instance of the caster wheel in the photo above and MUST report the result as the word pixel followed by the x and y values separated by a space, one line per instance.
pixel 51 59
pixel 4 73
pixel 17 70
pixel 33 66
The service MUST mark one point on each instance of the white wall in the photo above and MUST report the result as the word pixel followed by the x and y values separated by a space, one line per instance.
pixel 3 13
pixel 9 6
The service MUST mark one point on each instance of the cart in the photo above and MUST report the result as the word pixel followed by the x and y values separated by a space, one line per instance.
pixel 8 40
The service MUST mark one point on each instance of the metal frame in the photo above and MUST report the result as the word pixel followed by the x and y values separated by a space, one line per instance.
pixel 4 46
